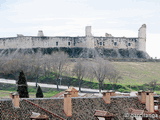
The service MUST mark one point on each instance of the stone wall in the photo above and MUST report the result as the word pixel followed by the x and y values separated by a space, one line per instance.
pixel 87 41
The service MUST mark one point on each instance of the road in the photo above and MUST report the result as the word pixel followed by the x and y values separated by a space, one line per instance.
pixel 9 81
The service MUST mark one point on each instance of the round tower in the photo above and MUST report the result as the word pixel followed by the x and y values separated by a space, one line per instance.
pixel 89 37
pixel 141 43
pixel 40 33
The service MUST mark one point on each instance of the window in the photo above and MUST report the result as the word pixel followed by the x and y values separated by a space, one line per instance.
pixel 129 44
pixel 103 43
pixel 69 43
pixel 115 43
pixel 100 43
pixel 56 43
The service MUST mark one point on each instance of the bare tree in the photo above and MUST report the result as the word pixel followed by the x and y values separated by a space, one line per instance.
pixel 69 73
pixel 37 65
pixel 59 60
pixel 113 76
pixel 80 71
pixel 99 69
pixel 46 64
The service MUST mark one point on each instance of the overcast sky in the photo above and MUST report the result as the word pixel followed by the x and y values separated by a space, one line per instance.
pixel 69 18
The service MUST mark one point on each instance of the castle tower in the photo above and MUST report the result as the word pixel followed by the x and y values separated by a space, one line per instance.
pixel 89 37
pixel 40 33
pixel 141 43
pixel 88 31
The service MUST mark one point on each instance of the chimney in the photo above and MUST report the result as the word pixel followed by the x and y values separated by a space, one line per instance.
pixel 15 99
pixel 67 104
pixel 142 96
pixel 149 102
pixel 40 33
pixel 72 91
pixel 10 95
pixel 107 96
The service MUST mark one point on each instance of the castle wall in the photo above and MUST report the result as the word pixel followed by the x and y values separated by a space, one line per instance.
pixel 87 41
pixel 115 42
pixel 43 42
pixel 16 42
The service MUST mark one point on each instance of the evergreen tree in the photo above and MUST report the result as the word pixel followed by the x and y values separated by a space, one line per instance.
pixel 39 93
pixel 22 86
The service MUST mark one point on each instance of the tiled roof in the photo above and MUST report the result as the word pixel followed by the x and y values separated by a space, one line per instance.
pixel 82 108
pixel 61 94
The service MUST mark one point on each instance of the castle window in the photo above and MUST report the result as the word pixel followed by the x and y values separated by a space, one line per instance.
pixel 100 43
pixel 69 43
pixel 129 44
pixel 56 43
pixel 103 43
pixel 115 43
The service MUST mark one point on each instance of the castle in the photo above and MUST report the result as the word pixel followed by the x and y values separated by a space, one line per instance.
pixel 87 41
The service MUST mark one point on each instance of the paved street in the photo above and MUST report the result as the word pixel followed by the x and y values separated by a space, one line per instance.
pixel 9 81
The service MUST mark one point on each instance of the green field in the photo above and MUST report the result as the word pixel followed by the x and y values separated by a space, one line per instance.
pixel 5 89
pixel 138 72
pixel 5 94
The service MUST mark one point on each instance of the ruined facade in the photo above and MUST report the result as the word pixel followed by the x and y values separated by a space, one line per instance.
pixel 87 41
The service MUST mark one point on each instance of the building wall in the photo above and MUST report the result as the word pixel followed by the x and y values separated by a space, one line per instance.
pixel 87 41
pixel 116 42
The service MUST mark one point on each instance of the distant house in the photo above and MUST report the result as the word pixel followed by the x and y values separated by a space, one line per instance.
pixel 107 107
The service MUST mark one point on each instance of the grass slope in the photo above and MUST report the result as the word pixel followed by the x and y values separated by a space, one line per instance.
pixel 138 72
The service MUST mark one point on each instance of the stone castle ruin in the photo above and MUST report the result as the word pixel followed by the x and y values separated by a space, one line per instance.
pixel 109 46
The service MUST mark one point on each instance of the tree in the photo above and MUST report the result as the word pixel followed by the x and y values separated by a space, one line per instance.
pixel 39 93
pixel 79 71
pixel 99 70
pixel 153 84
pixel 113 76
pixel 59 60
pixel 22 86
